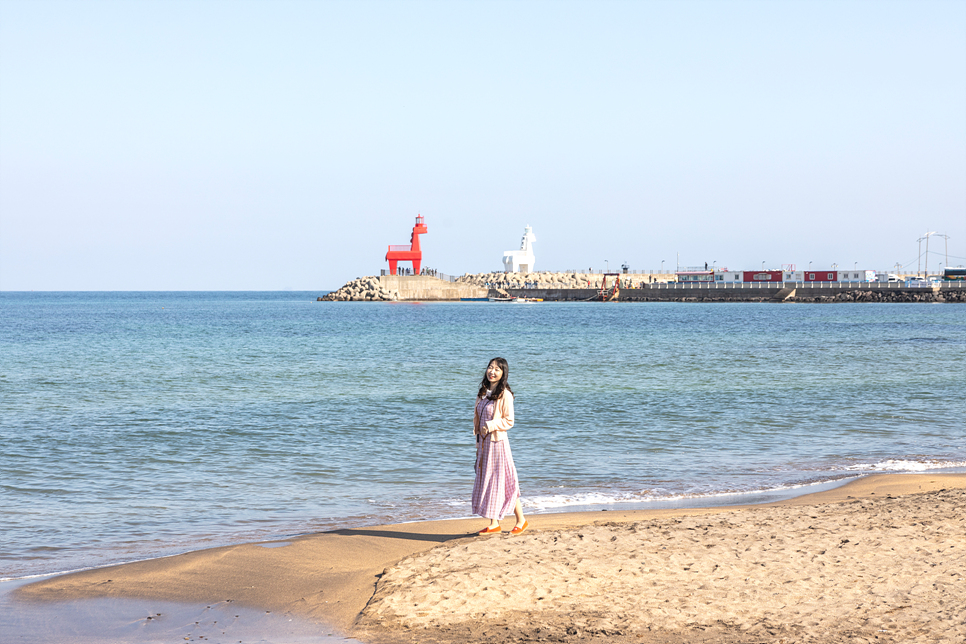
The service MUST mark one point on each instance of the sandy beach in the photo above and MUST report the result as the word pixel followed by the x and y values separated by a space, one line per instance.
pixel 881 559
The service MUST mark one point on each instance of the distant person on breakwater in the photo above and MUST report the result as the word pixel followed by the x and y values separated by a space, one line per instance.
pixel 496 489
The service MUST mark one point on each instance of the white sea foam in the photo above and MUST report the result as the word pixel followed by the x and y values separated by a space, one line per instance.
pixel 900 465
pixel 550 502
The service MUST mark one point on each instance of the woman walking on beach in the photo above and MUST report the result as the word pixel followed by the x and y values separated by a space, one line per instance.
pixel 496 489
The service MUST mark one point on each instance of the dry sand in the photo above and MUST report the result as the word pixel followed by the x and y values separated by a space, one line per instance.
pixel 882 559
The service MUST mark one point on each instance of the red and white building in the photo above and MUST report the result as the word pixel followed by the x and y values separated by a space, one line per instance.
pixel 723 275
pixel 762 276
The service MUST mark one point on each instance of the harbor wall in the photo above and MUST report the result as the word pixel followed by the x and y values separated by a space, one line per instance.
pixel 759 292
pixel 423 288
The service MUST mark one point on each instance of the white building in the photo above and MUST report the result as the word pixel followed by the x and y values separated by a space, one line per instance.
pixel 857 276
pixel 521 261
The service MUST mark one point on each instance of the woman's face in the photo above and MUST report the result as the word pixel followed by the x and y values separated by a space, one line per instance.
pixel 494 373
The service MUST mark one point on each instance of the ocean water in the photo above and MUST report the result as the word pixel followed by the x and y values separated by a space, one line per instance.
pixel 136 425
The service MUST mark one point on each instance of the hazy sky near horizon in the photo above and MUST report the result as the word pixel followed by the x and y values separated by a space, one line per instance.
pixel 283 145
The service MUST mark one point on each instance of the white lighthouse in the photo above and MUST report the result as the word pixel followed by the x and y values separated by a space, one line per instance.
pixel 521 261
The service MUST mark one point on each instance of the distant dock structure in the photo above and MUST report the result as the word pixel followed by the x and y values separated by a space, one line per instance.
pixel 521 261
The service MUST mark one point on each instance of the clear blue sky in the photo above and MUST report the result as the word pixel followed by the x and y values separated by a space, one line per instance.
pixel 271 145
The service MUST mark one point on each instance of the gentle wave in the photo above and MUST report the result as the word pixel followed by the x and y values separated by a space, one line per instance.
pixel 594 499
pixel 907 466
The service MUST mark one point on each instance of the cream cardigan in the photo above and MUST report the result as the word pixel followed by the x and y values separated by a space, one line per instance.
pixel 502 418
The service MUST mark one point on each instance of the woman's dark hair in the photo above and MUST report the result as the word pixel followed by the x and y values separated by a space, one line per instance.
pixel 501 385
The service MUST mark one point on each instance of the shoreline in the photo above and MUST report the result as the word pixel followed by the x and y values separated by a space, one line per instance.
pixel 330 577
pixel 673 501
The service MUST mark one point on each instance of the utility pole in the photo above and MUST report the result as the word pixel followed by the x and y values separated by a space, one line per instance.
pixel 919 263
pixel 926 236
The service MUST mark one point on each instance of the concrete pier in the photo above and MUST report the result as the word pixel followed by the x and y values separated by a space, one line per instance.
pixel 423 288
pixel 762 292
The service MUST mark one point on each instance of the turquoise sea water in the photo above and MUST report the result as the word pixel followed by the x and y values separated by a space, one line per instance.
pixel 141 424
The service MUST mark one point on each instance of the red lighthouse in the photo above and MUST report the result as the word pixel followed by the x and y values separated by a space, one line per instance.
pixel 411 253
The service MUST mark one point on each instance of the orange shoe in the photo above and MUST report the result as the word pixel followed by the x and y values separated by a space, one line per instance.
pixel 490 530
pixel 520 529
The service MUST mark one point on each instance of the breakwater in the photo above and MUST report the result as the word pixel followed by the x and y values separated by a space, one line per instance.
pixel 362 289
pixel 761 292
pixel 562 280
pixel 575 287
pixel 406 288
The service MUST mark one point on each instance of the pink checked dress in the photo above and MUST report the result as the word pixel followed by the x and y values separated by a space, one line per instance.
pixel 496 489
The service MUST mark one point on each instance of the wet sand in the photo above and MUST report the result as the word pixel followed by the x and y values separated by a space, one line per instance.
pixel 114 620
pixel 881 559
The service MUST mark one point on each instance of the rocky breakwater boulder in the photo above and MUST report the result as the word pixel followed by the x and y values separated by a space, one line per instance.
pixel 545 280
pixel 887 296
pixel 363 289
